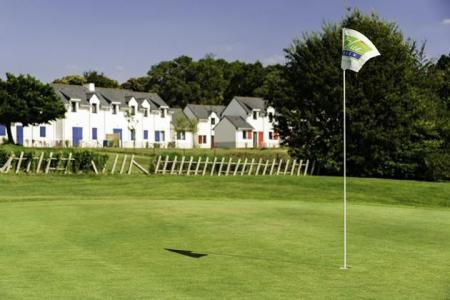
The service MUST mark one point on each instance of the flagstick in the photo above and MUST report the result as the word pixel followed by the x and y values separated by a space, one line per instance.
pixel 345 167
pixel 345 182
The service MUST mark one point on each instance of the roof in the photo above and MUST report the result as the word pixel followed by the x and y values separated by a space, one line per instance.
pixel 238 122
pixel 251 103
pixel 204 111
pixel 107 95
pixel 178 113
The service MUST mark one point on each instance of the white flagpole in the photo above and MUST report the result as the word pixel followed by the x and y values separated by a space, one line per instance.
pixel 345 168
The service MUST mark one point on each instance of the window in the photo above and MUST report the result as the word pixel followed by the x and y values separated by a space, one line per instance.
pixel 213 121
pixel 270 117
pixel 247 134
pixel 2 130
pixel 202 139
pixel 145 134
pixel 94 133
pixel 146 112
pixel 42 131
pixel 255 115
pixel 163 113
pixel 73 106
pixel 114 109
pixel 270 135
pixel 133 110
pixel 94 108
pixel 159 136
pixel 181 135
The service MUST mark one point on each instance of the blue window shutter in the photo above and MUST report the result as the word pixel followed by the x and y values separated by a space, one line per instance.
pixel 2 130
pixel 94 133
pixel 145 134
pixel 42 131
pixel 156 136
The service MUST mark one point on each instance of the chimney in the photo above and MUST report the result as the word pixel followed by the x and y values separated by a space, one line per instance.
pixel 90 87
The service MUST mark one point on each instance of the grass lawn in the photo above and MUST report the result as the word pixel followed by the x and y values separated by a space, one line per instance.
pixel 86 237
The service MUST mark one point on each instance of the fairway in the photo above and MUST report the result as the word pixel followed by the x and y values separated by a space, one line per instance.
pixel 87 237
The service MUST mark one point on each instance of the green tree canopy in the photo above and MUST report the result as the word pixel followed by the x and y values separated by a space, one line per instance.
pixel 26 100
pixel 391 103
pixel 71 79
pixel 100 79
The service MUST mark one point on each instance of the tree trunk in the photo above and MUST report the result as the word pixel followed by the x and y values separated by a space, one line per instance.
pixel 9 132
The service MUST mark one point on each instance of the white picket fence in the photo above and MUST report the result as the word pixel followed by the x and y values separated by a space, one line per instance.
pixel 163 165
pixel 229 166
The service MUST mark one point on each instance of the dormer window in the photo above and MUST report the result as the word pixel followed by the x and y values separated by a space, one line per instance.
pixel 213 121
pixel 115 109
pixel 270 117
pixel 133 110
pixel 94 108
pixel 73 106
pixel 163 113
pixel 255 115
pixel 146 112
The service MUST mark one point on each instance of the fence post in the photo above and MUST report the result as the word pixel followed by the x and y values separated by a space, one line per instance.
pixel 258 167
pixel 166 162
pixel 306 168
pixel 299 167
pixel 114 164
pixel 243 167
pixel 19 163
pixel 266 166
pixel 237 167
pixel 180 172
pixel 157 164
pixel 221 166
pixel 94 167
pixel 30 161
pixel 279 166
pixel 251 167
pixel 41 157
pixel 68 162
pixel 286 167
pixel 131 164
pixel 124 161
pixel 189 166
pixel 7 165
pixel 293 166
pixel 272 167
pixel 213 165
pixel 50 157
pixel 228 166
pixel 199 160
pixel 174 163
pixel 206 166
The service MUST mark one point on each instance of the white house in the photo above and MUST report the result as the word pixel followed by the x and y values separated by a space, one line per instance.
pixel 259 115
pixel 183 136
pixel 138 119
pixel 234 132
pixel 207 117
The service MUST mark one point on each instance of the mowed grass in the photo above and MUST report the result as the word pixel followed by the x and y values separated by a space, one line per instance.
pixel 87 237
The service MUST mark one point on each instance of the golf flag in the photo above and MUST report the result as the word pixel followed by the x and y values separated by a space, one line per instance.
pixel 356 50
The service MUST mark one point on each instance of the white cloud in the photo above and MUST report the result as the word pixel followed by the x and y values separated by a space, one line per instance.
pixel 446 21
pixel 273 60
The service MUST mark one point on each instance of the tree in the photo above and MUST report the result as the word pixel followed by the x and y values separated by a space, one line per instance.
pixel 26 100
pixel 100 79
pixel 391 102
pixel 137 84
pixel 71 79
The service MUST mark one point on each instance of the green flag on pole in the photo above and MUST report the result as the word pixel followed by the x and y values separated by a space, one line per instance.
pixel 357 50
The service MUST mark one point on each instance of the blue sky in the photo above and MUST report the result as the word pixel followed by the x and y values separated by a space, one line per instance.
pixel 49 39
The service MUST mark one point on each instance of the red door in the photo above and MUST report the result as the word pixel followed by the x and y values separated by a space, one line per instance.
pixel 260 139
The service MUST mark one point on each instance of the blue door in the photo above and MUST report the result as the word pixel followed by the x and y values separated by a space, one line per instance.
pixel 77 135
pixel 19 135
pixel 119 132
